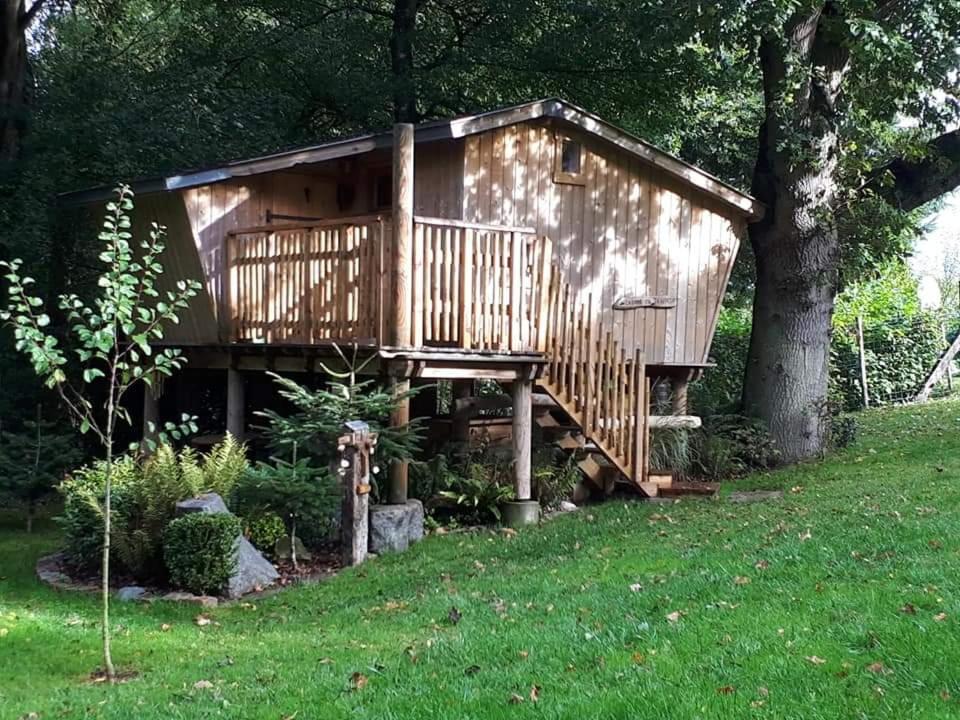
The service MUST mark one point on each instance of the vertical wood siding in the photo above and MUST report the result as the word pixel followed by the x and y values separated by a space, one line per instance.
pixel 628 229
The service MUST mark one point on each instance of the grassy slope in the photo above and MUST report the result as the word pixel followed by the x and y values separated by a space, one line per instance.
pixel 553 607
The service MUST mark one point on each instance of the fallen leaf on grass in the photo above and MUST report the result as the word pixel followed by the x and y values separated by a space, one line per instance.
pixel 472 670
pixel 359 680
pixel 636 587
pixel 454 616
pixel 165 627
pixel 945 695
pixel 908 609
pixel 741 580
pixel 515 699
pixel 639 658
pixel 804 536
pixel 726 690
pixel 762 565
pixel 878 668
pixel 813 659
pixel 202 620
pixel 940 617
pixel 325 661
pixel 202 685
pixel 674 616
pixel 524 654
pixel 535 693
pixel 29 716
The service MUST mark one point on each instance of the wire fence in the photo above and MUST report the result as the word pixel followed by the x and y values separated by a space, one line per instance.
pixel 899 360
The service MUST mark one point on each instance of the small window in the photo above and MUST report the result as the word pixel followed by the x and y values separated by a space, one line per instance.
pixel 568 167
pixel 569 156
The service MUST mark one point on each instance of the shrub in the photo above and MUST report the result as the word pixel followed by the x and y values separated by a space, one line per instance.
pixel 843 431
pixel 465 484
pixel 732 445
pixel 264 530
pixel 200 551
pixel 223 467
pixel 146 494
pixel 672 449
pixel 555 475
pixel 82 518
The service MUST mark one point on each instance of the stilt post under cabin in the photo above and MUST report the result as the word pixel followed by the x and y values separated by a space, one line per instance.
pixel 523 510
pixel 403 149
pixel 235 405
pixel 679 402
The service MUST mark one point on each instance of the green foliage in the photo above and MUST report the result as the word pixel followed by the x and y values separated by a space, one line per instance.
pixel 464 484
pixel 729 446
pixel 555 475
pixel 844 430
pixel 145 496
pixel 671 449
pixel 719 390
pixel 33 461
pixel 200 551
pixel 82 518
pixel 223 466
pixel 264 530
pixel 305 496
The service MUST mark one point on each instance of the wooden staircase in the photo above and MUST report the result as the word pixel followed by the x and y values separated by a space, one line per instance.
pixel 601 387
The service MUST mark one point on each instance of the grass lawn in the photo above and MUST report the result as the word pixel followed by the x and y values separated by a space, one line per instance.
pixel 840 601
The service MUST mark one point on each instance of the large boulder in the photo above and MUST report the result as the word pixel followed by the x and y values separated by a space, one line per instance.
pixel 393 528
pixel 253 571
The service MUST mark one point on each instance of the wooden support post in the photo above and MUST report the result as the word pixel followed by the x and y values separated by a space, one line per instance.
pixel 398 470
pixel 236 409
pixel 403 147
pixel 522 436
pixel 151 416
pixel 460 426
pixel 403 144
pixel 355 447
pixel 863 362
pixel 679 398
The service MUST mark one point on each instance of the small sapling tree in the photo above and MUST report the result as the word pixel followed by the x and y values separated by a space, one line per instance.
pixel 111 338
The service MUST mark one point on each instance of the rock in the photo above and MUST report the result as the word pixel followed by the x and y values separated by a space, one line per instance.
pixel 282 549
pixel 131 593
pixel 207 601
pixel 208 503
pixel 50 571
pixel 567 506
pixel 253 572
pixel 394 527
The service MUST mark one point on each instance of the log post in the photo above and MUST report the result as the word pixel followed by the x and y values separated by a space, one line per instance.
pixel 403 147
pixel 460 422
pixel 355 447
pixel 861 351
pixel 679 400
pixel 236 407
pixel 522 436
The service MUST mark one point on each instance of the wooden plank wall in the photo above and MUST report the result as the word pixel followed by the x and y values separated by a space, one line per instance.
pixel 627 229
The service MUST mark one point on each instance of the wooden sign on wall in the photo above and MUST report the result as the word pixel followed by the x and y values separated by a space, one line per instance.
pixel 637 302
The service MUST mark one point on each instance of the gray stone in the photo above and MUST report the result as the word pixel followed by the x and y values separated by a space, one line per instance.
pixel 567 506
pixel 394 527
pixel 749 496
pixel 207 503
pixel 207 601
pixel 282 549
pixel 130 593
pixel 254 571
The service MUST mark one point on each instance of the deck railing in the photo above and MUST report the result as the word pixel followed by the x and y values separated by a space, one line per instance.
pixel 472 284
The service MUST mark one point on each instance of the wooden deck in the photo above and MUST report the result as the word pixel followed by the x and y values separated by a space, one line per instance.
pixel 483 301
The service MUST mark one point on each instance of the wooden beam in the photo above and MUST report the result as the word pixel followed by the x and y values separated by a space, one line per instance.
pixel 679 400
pixel 461 422
pixel 398 470
pixel 939 370
pixel 235 405
pixel 522 437
pixel 473 405
pixel 402 232
pixel 674 422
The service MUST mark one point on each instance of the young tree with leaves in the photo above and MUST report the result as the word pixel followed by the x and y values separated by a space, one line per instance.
pixel 112 339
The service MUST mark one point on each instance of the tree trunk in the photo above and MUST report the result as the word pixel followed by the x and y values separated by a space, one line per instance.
pixel 13 79
pixel 401 61
pixel 796 243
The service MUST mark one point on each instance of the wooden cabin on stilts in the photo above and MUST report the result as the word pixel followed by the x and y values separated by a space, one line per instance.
pixel 538 246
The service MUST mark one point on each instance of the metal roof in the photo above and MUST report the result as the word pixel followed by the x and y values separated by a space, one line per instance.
pixel 442 130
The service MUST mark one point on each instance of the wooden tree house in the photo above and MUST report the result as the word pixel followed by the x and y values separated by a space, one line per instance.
pixel 536 245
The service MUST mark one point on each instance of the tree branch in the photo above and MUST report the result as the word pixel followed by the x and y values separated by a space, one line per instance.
pixel 917 182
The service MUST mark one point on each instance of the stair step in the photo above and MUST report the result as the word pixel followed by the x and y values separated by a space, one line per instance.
pixel 547 420
pixel 703 489
pixel 572 441
pixel 650 489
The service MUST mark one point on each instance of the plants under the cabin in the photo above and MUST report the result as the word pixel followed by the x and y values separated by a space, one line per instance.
pixel 839 600
pixel 110 345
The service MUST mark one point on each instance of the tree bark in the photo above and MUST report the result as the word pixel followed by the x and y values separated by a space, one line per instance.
pixel 401 61
pixel 796 244
pixel 13 76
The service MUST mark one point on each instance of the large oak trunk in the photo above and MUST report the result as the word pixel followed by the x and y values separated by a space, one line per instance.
pixel 796 244
pixel 13 78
